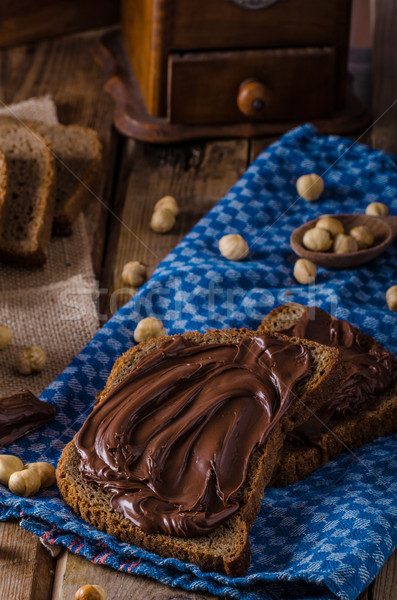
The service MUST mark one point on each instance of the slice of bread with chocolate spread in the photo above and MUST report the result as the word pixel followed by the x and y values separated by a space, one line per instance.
pixel 365 407
pixel 189 399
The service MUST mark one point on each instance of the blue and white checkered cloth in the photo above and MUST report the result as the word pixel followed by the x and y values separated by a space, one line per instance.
pixel 326 536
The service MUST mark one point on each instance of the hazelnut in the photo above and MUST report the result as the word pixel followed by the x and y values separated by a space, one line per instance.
pixel 168 202
pixel 233 247
pixel 134 273
pixel 317 239
pixel 363 236
pixel 391 298
pixel 334 226
pixel 149 328
pixel 24 483
pixel 45 471
pixel 377 209
pixel 31 360
pixel 162 220
pixel 5 336
pixel 90 592
pixel 8 465
pixel 310 187
pixel 305 271
pixel 344 244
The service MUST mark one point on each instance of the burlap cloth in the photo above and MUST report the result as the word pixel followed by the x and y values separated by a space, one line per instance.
pixel 53 307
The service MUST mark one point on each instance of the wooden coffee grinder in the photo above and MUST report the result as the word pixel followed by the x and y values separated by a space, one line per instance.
pixel 213 68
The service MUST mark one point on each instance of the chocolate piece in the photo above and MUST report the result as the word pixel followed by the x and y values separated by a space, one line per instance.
pixel 20 414
pixel 370 370
pixel 173 440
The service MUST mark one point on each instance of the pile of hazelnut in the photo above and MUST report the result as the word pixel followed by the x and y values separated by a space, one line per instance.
pixel 329 234
pixel 25 480
pixel 164 214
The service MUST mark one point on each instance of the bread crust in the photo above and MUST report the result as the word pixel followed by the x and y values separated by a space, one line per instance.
pixel 298 459
pixel 226 549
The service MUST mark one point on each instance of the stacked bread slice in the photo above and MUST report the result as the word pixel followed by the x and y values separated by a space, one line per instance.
pixel 225 548
pixel 28 209
pixel 339 426
pixel 47 174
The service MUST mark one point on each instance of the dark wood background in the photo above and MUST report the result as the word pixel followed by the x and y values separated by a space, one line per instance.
pixel 29 20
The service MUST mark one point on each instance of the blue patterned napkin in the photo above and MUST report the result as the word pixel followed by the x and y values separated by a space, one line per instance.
pixel 326 536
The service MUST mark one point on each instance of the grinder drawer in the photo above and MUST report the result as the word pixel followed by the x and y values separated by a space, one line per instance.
pixel 254 85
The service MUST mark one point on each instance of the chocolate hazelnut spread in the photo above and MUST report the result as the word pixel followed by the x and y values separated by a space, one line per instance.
pixel 369 369
pixel 20 414
pixel 173 440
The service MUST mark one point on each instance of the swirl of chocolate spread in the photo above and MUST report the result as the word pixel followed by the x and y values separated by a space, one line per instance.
pixel 370 370
pixel 173 440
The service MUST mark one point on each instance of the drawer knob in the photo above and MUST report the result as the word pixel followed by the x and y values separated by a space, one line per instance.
pixel 253 96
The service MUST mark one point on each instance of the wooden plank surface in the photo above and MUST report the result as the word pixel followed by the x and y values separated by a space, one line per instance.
pixel 26 567
pixel 385 585
pixel 197 174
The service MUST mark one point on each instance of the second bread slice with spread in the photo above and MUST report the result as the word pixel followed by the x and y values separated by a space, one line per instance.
pixel 185 410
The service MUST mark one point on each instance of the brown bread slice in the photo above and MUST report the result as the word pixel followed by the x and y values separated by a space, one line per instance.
pixel 29 204
pixel 77 152
pixel 226 549
pixel 298 459
pixel 78 158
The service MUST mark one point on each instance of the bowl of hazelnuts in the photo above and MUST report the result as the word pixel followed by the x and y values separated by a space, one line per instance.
pixel 344 241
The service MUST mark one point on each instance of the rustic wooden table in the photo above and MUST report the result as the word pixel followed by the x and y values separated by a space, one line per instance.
pixel 198 174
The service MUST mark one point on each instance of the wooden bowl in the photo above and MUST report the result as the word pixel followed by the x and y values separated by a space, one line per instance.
pixel 384 230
